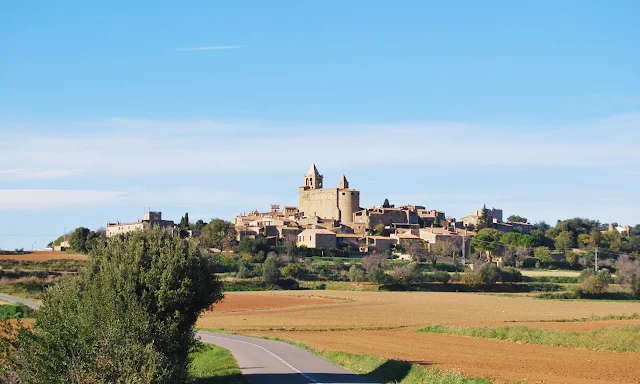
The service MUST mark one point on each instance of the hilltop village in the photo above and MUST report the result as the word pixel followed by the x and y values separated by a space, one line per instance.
pixel 331 217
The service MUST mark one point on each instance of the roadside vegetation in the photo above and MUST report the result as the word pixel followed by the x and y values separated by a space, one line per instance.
pixel 634 316
pixel 623 339
pixel 390 371
pixel 15 311
pixel 211 364
pixel 127 317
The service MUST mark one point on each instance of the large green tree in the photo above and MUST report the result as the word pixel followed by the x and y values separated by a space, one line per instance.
pixel 78 239
pixel 488 241
pixel 512 239
pixel 184 221
pixel 219 234
pixel 517 219
pixel 543 254
pixel 564 240
pixel 128 317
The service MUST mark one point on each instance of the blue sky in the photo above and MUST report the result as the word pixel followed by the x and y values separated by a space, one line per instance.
pixel 530 106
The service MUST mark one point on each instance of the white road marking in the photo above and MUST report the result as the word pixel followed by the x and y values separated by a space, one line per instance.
pixel 272 354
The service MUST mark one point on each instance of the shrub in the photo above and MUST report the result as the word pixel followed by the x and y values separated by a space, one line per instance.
pixel 14 311
pixel 325 272
pixel 472 279
pixel 405 274
pixel 373 261
pixel 377 275
pixel 291 270
pixel 510 275
pixel 441 277
pixel 456 277
pixel 317 285
pixel 489 273
pixel 593 283
pixel 288 284
pixel 356 273
pixel 271 270
pixel 628 274
pixel 243 272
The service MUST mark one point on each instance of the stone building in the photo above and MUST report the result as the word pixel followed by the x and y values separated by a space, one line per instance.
pixel 472 219
pixel 379 243
pixel 327 203
pixel 317 238
pixel 370 218
pixel 150 219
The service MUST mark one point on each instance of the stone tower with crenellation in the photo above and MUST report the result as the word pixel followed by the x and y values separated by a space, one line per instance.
pixel 327 203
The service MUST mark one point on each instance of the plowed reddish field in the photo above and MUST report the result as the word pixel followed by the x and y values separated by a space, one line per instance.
pixel 44 256
pixel 355 322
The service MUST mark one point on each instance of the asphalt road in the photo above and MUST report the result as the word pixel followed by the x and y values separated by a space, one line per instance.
pixel 266 361
pixel 14 299
pixel 272 362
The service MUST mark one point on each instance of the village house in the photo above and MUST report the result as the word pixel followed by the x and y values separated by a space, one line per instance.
pixel 407 239
pixel 317 238
pixel 379 243
pixel 387 217
pixel 472 219
pixel 151 218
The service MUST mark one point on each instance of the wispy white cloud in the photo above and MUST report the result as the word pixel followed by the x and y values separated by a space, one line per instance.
pixel 209 48
pixel 27 199
pixel 175 197
pixel 152 148
pixel 26 173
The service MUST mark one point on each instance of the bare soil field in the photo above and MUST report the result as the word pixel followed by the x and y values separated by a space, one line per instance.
pixel 502 360
pixel 384 323
pixel 44 256
pixel 236 303
pixel 396 309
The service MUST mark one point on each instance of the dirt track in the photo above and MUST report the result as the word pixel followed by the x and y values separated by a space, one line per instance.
pixel 325 324
pixel 44 256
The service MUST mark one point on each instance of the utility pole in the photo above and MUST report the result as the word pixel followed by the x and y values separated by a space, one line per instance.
pixel 596 259
pixel 464 250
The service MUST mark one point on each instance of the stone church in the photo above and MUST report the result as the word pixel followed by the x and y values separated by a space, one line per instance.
pixel 327 203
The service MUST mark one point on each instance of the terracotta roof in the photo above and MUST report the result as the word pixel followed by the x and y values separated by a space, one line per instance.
pixel 317 231
pixel 407 236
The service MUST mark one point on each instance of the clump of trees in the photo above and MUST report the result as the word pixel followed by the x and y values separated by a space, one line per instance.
pixel 594 283
pixel 489 274
pixel 628 274
pixel 128 317
pixel 82 240
pixel 218 234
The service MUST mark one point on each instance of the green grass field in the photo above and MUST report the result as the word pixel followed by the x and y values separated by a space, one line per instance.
pixel 215 365
pixel 623 339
